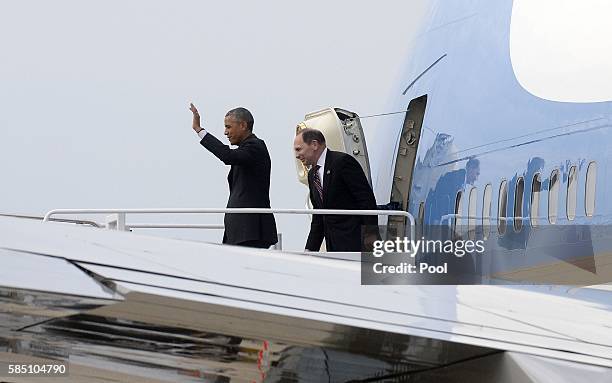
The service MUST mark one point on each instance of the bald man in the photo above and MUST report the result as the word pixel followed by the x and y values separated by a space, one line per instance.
pixel 336 181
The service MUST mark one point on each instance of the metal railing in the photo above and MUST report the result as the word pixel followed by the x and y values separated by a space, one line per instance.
pixel 39 218
pixel 118 222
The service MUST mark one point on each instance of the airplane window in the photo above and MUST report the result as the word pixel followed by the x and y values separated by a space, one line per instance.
pixel 572 186
pixel 518 204
pixel 472 213
pixel 486 211
pixel 553 196
pixel 457 220
pixel 501 207
pixel 536 187
pixel 421 220
pixel 589 195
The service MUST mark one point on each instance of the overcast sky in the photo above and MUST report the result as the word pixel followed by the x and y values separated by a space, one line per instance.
pixel 94 95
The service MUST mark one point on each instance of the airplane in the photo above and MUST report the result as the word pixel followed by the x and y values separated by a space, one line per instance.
pixel 113 305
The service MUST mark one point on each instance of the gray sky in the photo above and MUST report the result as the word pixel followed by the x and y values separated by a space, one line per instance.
pixel 94 95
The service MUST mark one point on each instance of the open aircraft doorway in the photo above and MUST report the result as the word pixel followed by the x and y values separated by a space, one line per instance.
pixel 343 133
pixel 406 156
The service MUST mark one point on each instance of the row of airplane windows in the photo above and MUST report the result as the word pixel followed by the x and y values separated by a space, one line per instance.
pixel 533 209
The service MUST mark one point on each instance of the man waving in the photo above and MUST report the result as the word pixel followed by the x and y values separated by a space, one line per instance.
pixel 248 178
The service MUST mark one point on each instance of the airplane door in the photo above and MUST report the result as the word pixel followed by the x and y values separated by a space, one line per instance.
pixel 406 156
pixel 343 132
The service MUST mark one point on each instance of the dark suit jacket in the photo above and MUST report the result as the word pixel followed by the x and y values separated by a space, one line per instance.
pixel 441 200
pixel 345 186
pixel 249 184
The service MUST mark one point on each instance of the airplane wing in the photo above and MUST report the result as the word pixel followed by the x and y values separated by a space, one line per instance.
pixel 120 306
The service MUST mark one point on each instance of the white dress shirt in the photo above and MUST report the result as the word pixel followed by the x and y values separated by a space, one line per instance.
pixel 202 133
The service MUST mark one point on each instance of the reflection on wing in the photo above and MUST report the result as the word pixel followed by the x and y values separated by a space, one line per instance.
pixel 123 307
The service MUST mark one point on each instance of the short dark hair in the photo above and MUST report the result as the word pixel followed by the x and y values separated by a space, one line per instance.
pixel 309 135
pixel 242 114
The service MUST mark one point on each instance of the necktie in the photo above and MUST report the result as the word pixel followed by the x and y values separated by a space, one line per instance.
pixel 317 182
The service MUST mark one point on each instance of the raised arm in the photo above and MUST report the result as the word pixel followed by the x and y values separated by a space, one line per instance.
pixel 247 153
pixel 195 124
